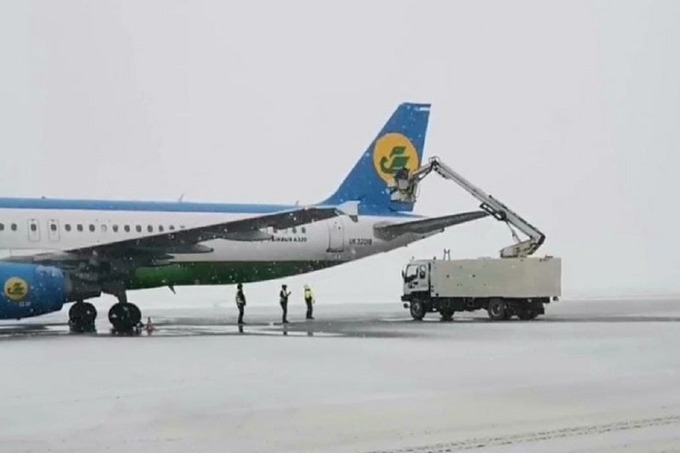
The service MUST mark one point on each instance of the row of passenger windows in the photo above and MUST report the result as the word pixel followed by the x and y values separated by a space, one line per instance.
pixel 80 227
pixel 33 226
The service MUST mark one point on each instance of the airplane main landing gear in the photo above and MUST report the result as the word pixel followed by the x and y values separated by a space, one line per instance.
pixel 124 316
pixel 81 317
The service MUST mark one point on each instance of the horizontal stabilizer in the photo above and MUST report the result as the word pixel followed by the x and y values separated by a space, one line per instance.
pixel 425 226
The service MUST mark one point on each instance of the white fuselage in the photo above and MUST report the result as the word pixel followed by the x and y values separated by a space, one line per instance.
pixel 28 231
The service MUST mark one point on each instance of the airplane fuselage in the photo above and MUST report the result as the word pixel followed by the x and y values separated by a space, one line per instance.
pixel 28 227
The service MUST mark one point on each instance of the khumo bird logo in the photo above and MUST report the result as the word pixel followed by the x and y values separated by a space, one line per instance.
pixel 16 288
pixel 392 152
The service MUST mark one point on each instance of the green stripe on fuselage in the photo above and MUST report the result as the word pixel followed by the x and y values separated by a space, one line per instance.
pixel 183 274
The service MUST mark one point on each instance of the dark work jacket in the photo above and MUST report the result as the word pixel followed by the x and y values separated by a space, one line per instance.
pixel 283 297
pixel 240 297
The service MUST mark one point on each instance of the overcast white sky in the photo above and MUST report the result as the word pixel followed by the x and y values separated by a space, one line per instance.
pixel 568 111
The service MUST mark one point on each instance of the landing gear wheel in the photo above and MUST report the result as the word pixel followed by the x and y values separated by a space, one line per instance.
pixel 496 309
pixel 81 317
pixel 417 310
pixel 447 314
pixel 124 317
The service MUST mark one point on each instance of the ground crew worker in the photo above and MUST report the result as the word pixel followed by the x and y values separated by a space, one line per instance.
pixel 309 300
pixel 283 299
pixel 240 302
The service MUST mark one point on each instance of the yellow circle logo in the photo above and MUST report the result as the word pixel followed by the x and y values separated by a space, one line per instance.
pixel 392 152
pixel 16 288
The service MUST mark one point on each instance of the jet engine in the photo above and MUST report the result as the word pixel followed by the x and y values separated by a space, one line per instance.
pixel 32 290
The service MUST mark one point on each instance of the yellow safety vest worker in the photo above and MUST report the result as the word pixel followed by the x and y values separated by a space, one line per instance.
pixel 308 295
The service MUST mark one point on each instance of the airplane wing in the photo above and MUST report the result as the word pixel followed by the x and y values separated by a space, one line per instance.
pixel 159 246
pixel 424 226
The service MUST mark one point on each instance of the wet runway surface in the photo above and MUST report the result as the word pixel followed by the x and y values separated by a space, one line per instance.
pixel 352 320
pixel 596 376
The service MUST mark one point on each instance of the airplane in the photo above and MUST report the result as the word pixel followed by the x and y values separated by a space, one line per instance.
pixel 61 251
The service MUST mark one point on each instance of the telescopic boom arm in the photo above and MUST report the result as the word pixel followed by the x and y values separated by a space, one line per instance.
pixel 405 189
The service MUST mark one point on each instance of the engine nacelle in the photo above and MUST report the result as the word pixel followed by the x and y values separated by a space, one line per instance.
pixel 31 290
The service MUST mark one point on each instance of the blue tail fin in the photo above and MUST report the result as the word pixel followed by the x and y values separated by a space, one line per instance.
pixel 399 144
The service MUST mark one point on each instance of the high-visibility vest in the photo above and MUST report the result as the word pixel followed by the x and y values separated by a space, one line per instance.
pixel 308 295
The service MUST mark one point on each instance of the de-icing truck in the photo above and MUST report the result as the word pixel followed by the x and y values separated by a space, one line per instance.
pixel 515 284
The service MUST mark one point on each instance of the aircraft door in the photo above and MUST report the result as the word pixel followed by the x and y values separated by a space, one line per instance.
pixel 53 230
pixel 33 230
pixel 336 235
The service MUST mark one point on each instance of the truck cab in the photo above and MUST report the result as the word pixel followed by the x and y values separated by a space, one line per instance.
pixel 416 276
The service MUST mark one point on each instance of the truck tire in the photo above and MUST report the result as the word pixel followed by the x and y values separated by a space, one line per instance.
pixel 417 309
pixel 527 313
pixel 446 314
pixel 496 309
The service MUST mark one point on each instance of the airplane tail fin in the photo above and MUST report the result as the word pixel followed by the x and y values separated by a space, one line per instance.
pixel 399 144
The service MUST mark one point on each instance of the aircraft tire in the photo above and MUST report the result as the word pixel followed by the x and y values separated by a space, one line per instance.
pixel 81 317
pixel 124 316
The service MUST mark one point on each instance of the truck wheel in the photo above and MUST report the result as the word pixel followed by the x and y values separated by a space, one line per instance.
pixel 496 309
pixel 417 310
pixel 447 314
pixel 526 314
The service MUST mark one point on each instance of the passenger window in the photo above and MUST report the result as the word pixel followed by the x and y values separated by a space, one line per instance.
pixel 138 228
pixel 160 228
pixel 149 229
pixel 104 228
pixel 2 227
pixel 33 227
pixel 67 227
pixel 115 228
pixel 304 230
pixel 14 227
pixel 172 227
pixel 127 228
pixel 53 227
pixel 294 230
pixel 80 227
pixel 92 228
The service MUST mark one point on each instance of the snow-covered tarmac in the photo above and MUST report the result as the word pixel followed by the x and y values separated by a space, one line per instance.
pixel 589 376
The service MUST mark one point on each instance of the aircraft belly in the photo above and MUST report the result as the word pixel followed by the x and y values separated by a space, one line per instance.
pixel 221 273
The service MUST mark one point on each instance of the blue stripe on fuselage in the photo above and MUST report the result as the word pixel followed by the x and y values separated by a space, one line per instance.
pixel 166 206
